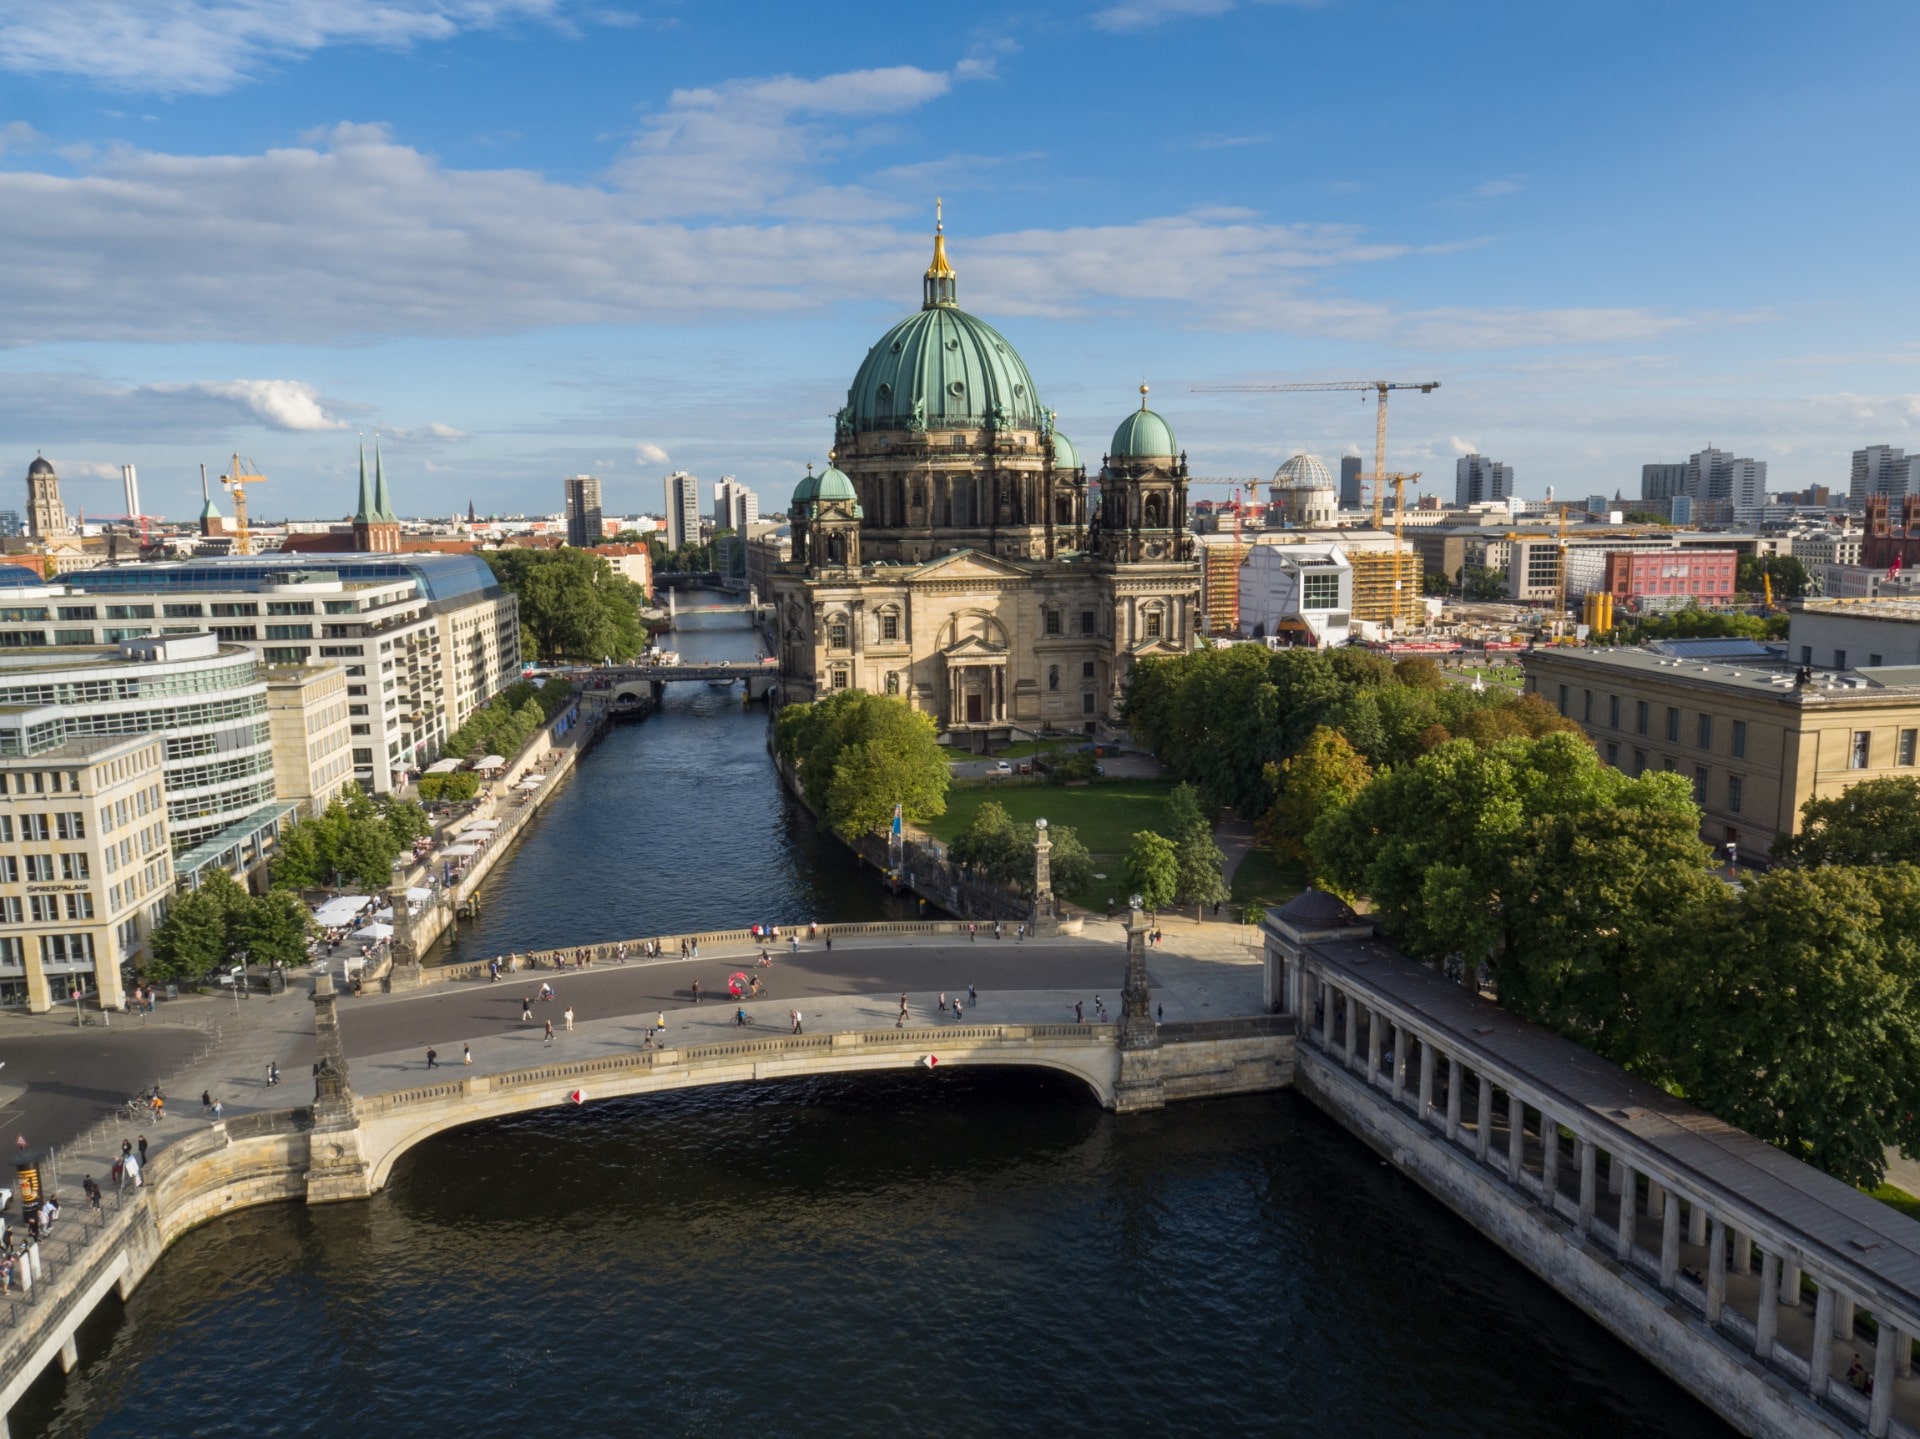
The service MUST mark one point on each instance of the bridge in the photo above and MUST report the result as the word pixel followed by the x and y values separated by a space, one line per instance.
pixel 632 686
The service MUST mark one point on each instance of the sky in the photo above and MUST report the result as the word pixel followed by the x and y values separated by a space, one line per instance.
pixel 522 239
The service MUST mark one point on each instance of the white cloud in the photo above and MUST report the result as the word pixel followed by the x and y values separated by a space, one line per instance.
pixel 1144 14
pixel 1493 189
pixel 278 404
pixel 208 46
pixel 17 135
pixel 647 453
pixel 1464 447
pixel 422 434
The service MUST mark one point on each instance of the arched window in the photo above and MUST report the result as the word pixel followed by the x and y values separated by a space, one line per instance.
pixel 1153 622
pixel 837 633
pixel 836 549
pixel 1050 620
pixel 1154 513
pixel 1053 677
pixel 890 625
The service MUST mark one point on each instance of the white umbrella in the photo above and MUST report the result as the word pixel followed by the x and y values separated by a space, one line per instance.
pixel 492 761
pixel 339 911
pixel 459 851
pixel 480 826
pixel 417 894
pixel 374 931
pixel 443 766
pixel 384 914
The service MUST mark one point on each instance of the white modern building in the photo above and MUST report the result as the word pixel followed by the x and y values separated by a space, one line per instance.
pixel 1302 594
pixel 1881 470
pixel 735 507
pixel 1477 480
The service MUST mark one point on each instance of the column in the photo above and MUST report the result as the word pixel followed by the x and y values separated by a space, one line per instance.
pixel 1516 1136
pixel 1716 1269
pixel 1696 1224
pixel 1623 1238
pixel 1842 1316
pixel 1483 1141
pixel 1456 1080
pixel 1766 1315
pixel 1373 1047
pixel 1880 1406
pixel 1400 1063
pixel 1589 1155
pixel 1549 1160
pixel 1670 1240
pixel 1820 1353
pixel 1616 1170
pixel 1789 1281
pixel 1348 1024
pixel 1903 1355
pixel 1656 1198
pixel 1426 1080
pixel 1742 1262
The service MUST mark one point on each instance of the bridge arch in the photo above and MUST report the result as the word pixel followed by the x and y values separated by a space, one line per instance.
pixel 392 1124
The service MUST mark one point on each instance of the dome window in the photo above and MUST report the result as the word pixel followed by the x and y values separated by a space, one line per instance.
pixel 953 345
pixel 885 391
pixel 1020 392
pixel 956 389
pixel 896 347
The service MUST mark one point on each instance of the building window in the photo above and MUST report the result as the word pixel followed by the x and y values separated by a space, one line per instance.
pixel 1862 749
pixel 1806 654
pixel 74 866
pixel 1086 622
pixel 1151 624
pixel 1086 669
pixel 1613 711
pixel 889 625
pixel 839 679
pixel 1736 787
pixel 1839 659
pixel 1613 754
pixel 1320 592
pixel 1053 677
pixel 1563 699
pixel 1586 708
pixel 1699 786
pixel 79 906
pixel 1873 661
pixel 1050 621
pixel 1086 703
pixel 1639 763
pixel 33 826
pixel 1640 717
pixel 837 634
pixel 1673 724
pixel 1907 737
pixel 1739 739
pixel 1706 731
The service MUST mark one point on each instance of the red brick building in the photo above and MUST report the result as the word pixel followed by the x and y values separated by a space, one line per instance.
pixel 1704 575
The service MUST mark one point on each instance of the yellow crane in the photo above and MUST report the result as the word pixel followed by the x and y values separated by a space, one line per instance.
pixel 1399 483
pixel 1378 387
pixel 243 473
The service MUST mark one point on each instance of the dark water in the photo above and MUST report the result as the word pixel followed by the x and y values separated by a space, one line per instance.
pixel 956 1254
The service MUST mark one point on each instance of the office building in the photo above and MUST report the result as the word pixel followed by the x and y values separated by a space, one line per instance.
pixel 583 511
pixel 683 510
pixel 1755 739
pixel 312 740
pixel 85 862
pixel 1670 579
pixel 11 525
pixel 1299 594
pixel 1881 470
pixel 1660 483
pixel 423 639
pixel 1350 485
pixel 735 507
pixel 1715 476
pixel 1477 479
pixel 1854 634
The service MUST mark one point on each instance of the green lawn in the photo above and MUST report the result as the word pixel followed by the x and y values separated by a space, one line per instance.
pixel 1895 1197
pixel 1025 749
pixel 1265 879
pixel 1104 815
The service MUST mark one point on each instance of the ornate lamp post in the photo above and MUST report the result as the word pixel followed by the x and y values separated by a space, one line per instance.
pixel 1043 907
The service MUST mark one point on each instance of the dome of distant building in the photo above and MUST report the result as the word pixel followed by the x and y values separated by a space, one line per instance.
pixel 40 466
pixel 1143 435
pixel 1065 457
pixel 1303 472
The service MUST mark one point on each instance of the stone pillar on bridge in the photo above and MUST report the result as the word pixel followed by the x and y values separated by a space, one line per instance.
pixel 405 973
pixel 336 1164
pixel 1045 918
pixel 1140 1085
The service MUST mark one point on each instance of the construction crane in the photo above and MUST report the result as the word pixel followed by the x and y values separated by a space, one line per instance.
pixel 1399 483
pixel 243 473
pixel 1379 387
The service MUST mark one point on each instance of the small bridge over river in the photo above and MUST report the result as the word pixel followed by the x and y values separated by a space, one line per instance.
pixel 632 687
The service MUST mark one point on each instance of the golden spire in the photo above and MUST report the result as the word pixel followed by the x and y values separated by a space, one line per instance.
pixel 939 269
pixel 1143 394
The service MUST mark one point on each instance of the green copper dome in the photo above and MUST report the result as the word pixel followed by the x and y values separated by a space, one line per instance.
pixel 830 484
pixel 1065 456
pixel 1143 435
pixel 807 490
pixel 942 368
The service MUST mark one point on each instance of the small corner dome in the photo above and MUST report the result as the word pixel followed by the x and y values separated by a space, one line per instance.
pixel 1143 435
pixel 807 490
pixel 1065 457
pixel 1303 472
pixel 1317 909
pixel 831 484
pixel 40 466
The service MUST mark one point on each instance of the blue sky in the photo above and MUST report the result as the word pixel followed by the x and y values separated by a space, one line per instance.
pixel 528 238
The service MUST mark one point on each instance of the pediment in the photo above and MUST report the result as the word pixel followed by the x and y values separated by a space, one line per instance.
pixel 969 565
pixel 973 647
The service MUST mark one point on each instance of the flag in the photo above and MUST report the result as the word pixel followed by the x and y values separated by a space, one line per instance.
pixel 578 1096
pixel 929 1061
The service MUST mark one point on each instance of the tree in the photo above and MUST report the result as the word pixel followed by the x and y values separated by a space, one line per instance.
pixel 1201 867
pixel 1152 868
pixel 298 860
pixel 1482 583
pixel 992 844
pixel 1874 822
pixel 1790 578
pixel 407 821
pixel 856 755
pixel 193 939
pixel 1184 815
pixel 1323 777
pixel 573 603
pixel 1071 862
pixel 1791 1012
pixel 1435 582
pixel 352 840
pixel 270 928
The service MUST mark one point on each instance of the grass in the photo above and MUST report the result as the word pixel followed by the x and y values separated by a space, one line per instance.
pixel 1895 1197
pixel 1104 815
pixel 1266 879
pixel 1026 748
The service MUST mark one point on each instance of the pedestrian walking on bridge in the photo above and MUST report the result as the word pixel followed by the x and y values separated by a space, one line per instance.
pixel 433 1057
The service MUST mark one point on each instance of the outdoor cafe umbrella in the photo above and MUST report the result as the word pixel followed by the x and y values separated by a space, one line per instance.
pixel 374 931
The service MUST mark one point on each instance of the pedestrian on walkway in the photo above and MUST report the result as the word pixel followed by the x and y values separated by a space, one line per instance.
pixel 973 996
pixel 793 944
pixel 433 1057
pixel 466 1054
pixel 569 1018
pixel 973 932
pixel 273 1072
pixel 943 1001
pixel 219 1111
pixel 206 1104
pixel 549 1038
pixel 143 1149
pixel 660 1023
pixel 996 929
pixel 526 1009
pixel 1079 1014
pixel 796 1021
pixel 829 944
pixel 1160 1015
pixel 696 991
pixel 91 1189
pixel 1020 933
pixel 126 1148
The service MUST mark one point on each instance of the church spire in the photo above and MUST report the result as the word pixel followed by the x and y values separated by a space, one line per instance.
pixel 940 289
pixel 364 512
pixel 382 505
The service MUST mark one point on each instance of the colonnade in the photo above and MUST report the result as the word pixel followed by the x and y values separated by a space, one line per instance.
pixel 1796 1301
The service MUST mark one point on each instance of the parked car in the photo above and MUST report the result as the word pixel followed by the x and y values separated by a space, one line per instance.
pixel 999 769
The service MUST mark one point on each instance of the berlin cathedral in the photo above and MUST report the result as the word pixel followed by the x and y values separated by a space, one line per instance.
pixel 953 552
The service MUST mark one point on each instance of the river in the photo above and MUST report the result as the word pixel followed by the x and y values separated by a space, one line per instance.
pixel 968 1254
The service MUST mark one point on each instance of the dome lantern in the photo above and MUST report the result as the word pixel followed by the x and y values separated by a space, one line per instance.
pixel 1143 435
pixel 940 282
